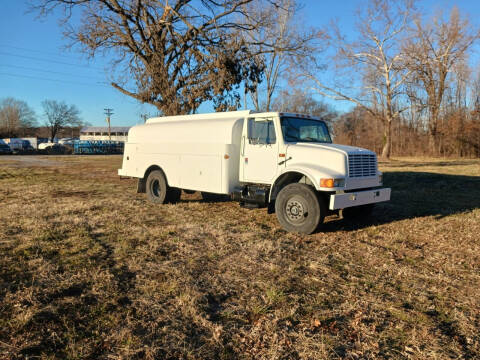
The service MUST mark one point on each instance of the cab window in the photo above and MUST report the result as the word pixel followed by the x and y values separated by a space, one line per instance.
pixel 304 130
pixel 261 132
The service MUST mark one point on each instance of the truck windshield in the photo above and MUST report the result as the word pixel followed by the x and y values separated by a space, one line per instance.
pixel 304 130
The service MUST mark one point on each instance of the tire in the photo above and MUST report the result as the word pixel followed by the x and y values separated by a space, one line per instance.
pixel 358 212
pixel 299 208
pixel 156 187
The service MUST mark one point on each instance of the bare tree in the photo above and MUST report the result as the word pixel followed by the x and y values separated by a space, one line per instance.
pixel 173 54
pixel 475 96
pixel 472 131
pixel 297 100
pixel 15 116
pixel 370 71
pixel 434 49
pixel 358 128
pixel 280 39
pixel 59 115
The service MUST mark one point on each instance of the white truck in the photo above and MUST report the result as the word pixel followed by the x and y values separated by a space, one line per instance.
pixel 283 161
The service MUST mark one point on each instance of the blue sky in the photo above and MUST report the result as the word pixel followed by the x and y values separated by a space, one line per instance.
pixel 34 66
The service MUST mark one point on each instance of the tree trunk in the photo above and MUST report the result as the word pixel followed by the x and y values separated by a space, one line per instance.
pixel 431 143
pixel 433 139
pixel 255 98
pixel 53 132
pixel 387 147
pixel 267 105
pixel 432 131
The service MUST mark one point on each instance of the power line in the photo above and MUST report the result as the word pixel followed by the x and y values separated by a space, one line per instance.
pixel 49 60
pixel 55 80
pixel 5 45
pixel 48 71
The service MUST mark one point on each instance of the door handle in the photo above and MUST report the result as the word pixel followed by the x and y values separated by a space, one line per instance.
pixel 243 145
pixel 284 161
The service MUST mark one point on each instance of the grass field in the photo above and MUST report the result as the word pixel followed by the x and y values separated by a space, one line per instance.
pixel 90 269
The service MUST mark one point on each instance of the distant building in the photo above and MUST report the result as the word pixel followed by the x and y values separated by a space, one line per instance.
pixel 118 133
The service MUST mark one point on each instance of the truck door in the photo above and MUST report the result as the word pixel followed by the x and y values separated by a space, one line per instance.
pixel 259 157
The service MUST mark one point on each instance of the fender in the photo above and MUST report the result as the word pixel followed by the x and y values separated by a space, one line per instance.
pixel 311 171
pixel 142 180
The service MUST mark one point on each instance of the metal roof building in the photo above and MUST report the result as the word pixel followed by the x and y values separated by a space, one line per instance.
pixel 117 133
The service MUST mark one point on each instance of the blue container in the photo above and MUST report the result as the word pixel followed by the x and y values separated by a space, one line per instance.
pixel 91 147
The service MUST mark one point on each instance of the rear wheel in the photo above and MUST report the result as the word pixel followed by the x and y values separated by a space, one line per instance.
pixel 299 208
pixel 156 187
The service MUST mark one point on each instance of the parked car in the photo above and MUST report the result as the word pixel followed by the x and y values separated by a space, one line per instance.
pixel 5 149
pixel 20 146
pixel 67 141
pixel 44 146
pixel 58 149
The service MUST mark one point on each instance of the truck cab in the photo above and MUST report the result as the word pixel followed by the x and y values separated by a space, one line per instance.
pixel 285 154
pixel 283 161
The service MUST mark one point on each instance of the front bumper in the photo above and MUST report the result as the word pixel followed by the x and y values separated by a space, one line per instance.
pixel 346 200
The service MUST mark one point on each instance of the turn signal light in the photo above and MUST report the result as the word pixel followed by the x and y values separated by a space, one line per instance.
pixel 330 183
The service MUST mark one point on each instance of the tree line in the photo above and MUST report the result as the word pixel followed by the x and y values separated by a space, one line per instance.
pixel 405 71
pixel 408 76
pixel 18 119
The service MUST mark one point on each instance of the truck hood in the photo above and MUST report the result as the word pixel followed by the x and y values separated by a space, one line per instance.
pixel 344 149
pixel 325 159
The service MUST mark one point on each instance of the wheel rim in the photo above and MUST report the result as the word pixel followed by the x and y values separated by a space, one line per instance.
pixel 155 187
pixel 296 210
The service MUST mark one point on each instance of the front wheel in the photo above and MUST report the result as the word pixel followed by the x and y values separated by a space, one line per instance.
pixel 299 208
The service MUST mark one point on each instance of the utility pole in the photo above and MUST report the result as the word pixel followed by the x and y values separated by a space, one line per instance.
pixel 245 92
pixel 108 112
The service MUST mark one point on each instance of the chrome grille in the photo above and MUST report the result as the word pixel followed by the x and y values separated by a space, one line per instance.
pixel 360 165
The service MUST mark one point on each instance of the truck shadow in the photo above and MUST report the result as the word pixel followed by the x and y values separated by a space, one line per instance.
pixel 204 198
pixel 436 164
pixel 418 194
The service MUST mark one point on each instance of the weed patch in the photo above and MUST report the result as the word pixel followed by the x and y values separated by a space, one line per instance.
pixel 90 269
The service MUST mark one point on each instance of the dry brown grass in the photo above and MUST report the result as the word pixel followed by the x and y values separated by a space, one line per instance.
pixel 89 269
